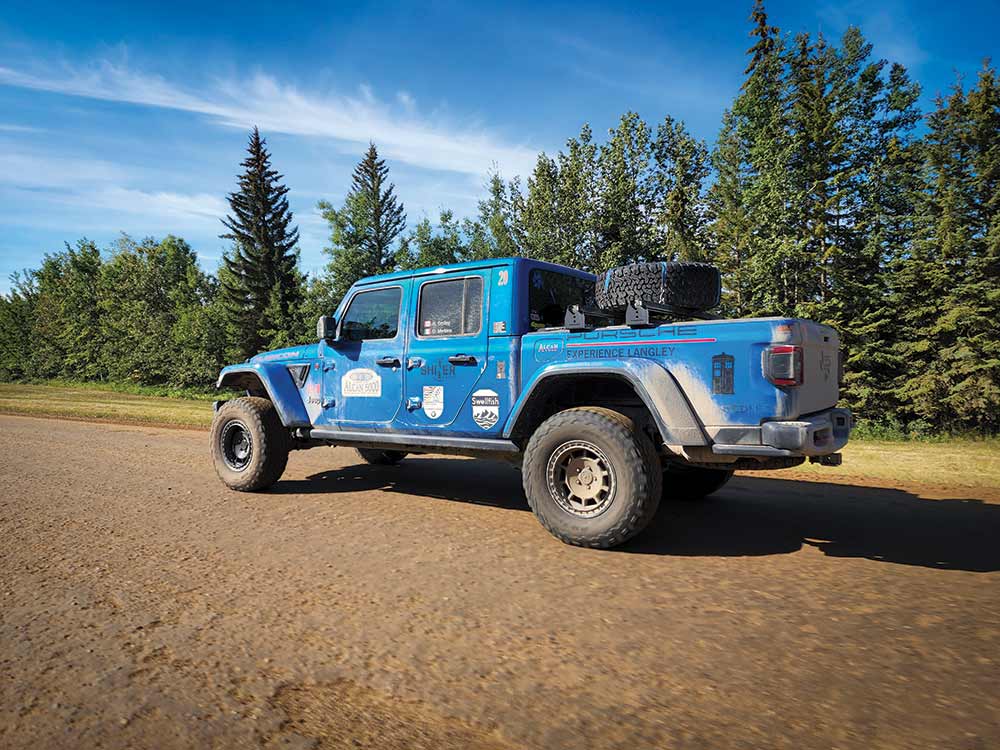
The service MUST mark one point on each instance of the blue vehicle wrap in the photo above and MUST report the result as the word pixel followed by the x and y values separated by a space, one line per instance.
pixel 460 352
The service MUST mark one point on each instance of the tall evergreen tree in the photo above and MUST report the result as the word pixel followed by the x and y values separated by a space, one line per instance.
pixel 576 203
pixel 681 167
pixel 625 207
pixel 261 285
pixel 426 246
pixel 729 233
pixel 365 229
pixel 496 232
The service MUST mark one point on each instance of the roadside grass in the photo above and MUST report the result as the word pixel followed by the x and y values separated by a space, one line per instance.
pixel 954 462
pixel 959 462
pixel 94 402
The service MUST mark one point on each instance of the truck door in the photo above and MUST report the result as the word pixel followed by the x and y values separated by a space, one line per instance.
pixel 447 354
pixel 363 379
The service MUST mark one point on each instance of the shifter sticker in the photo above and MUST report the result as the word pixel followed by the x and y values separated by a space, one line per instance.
pixel 362 383
pixel 433 401
pixel 486 408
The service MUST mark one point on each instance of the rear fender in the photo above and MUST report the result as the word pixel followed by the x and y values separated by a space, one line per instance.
pixel 273 380
pixel 656 387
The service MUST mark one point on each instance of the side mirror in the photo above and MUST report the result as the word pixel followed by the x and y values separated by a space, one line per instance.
pixel 326 328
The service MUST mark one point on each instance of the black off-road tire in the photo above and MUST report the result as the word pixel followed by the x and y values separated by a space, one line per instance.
pixel 269 441
pixel 687 286
pixel 632 457
pixel 380 457
pixel 687 483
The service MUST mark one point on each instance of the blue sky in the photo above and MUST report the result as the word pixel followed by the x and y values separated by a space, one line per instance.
pixel 133 117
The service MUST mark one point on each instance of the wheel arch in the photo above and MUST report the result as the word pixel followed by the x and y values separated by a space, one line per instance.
pixel 650 383
pixel 271 381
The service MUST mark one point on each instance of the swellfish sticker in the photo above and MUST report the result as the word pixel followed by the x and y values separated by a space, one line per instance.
pixel 485 408
pixel 361 383
pixel 433 401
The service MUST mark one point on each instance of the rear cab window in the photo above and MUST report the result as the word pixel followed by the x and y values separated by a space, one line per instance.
pixel 450 307
pixel 551 292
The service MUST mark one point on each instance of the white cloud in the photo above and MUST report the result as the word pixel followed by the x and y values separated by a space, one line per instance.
pixel 279 107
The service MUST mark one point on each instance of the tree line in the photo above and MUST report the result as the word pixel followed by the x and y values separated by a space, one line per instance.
pixel 827 194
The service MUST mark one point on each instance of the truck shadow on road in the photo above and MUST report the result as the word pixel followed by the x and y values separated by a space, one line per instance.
pixel 750 516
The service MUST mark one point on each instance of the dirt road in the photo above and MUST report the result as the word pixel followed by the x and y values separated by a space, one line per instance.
pixel 144 605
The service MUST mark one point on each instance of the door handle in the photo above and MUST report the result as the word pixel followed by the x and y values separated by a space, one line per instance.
pixel 387 362
pixel 462 359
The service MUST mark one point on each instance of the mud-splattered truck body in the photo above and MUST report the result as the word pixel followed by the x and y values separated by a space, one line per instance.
pixel 608 404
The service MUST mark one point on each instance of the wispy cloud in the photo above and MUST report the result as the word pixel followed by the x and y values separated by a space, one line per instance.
pixel 100 190
pixel 6 127
pixel 278 107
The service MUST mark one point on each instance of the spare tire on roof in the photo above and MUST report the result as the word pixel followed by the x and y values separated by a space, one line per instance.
pixel 685 286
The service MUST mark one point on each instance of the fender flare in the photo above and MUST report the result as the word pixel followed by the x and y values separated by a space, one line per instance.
pixel 673 414
pixel 276 381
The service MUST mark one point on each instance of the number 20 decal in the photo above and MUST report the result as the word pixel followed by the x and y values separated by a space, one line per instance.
pixel 503 277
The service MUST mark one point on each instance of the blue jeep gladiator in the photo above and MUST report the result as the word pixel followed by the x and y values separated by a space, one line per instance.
pixel 610 392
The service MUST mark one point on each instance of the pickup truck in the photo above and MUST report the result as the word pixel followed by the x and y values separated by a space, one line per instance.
pixel 610 392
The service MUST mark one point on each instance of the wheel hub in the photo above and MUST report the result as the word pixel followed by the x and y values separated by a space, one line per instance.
pixel 237 446
pixel 581 479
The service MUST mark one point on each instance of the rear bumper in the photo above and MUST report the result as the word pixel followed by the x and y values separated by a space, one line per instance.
pixel 818 434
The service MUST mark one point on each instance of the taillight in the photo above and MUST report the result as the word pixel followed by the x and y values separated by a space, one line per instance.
pixel 783 364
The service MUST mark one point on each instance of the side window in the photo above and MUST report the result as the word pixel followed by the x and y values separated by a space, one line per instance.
pixel 372 315
pixel 450 308
pixel 551 292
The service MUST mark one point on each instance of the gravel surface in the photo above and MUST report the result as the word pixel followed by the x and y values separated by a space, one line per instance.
pixel 142 604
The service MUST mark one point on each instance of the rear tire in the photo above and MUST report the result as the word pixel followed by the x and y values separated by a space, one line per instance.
pixel 692 482
pixel 380 457
pixel 592 477
pixel 249 444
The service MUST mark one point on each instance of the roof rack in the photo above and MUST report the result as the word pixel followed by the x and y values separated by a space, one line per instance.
pixel 576 317
pixel 638 314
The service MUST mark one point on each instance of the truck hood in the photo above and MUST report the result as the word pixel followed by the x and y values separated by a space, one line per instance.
pixel 304 351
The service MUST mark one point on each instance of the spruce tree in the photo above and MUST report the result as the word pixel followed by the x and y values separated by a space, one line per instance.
pixel 540 218
pixel 497 231
pixel 364 231
pixel 624 220
pixel 681 167
pixel 576 203
pixel 261 287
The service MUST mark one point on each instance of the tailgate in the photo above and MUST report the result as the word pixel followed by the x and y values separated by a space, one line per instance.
pixel 820 387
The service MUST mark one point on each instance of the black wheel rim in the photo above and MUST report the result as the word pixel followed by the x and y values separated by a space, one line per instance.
pixel 237 446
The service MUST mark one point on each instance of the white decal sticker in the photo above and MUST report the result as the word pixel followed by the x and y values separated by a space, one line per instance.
pixel 485 408
pixel 503 277
pixel 433 401
pixel 363 383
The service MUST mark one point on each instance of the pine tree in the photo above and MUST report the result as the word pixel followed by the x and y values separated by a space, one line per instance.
pixel 729 232
pixel 760 123
pixel 17 312
pixel 540 219
pixel 261 287
pixel 624 220
pixel 425 248
pixel 496 232
pixel 952 380
pixel 364 231
pixel 576 203
pixel 681 167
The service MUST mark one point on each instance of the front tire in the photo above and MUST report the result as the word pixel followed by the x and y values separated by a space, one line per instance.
pixel 592 477
pixel 249 444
